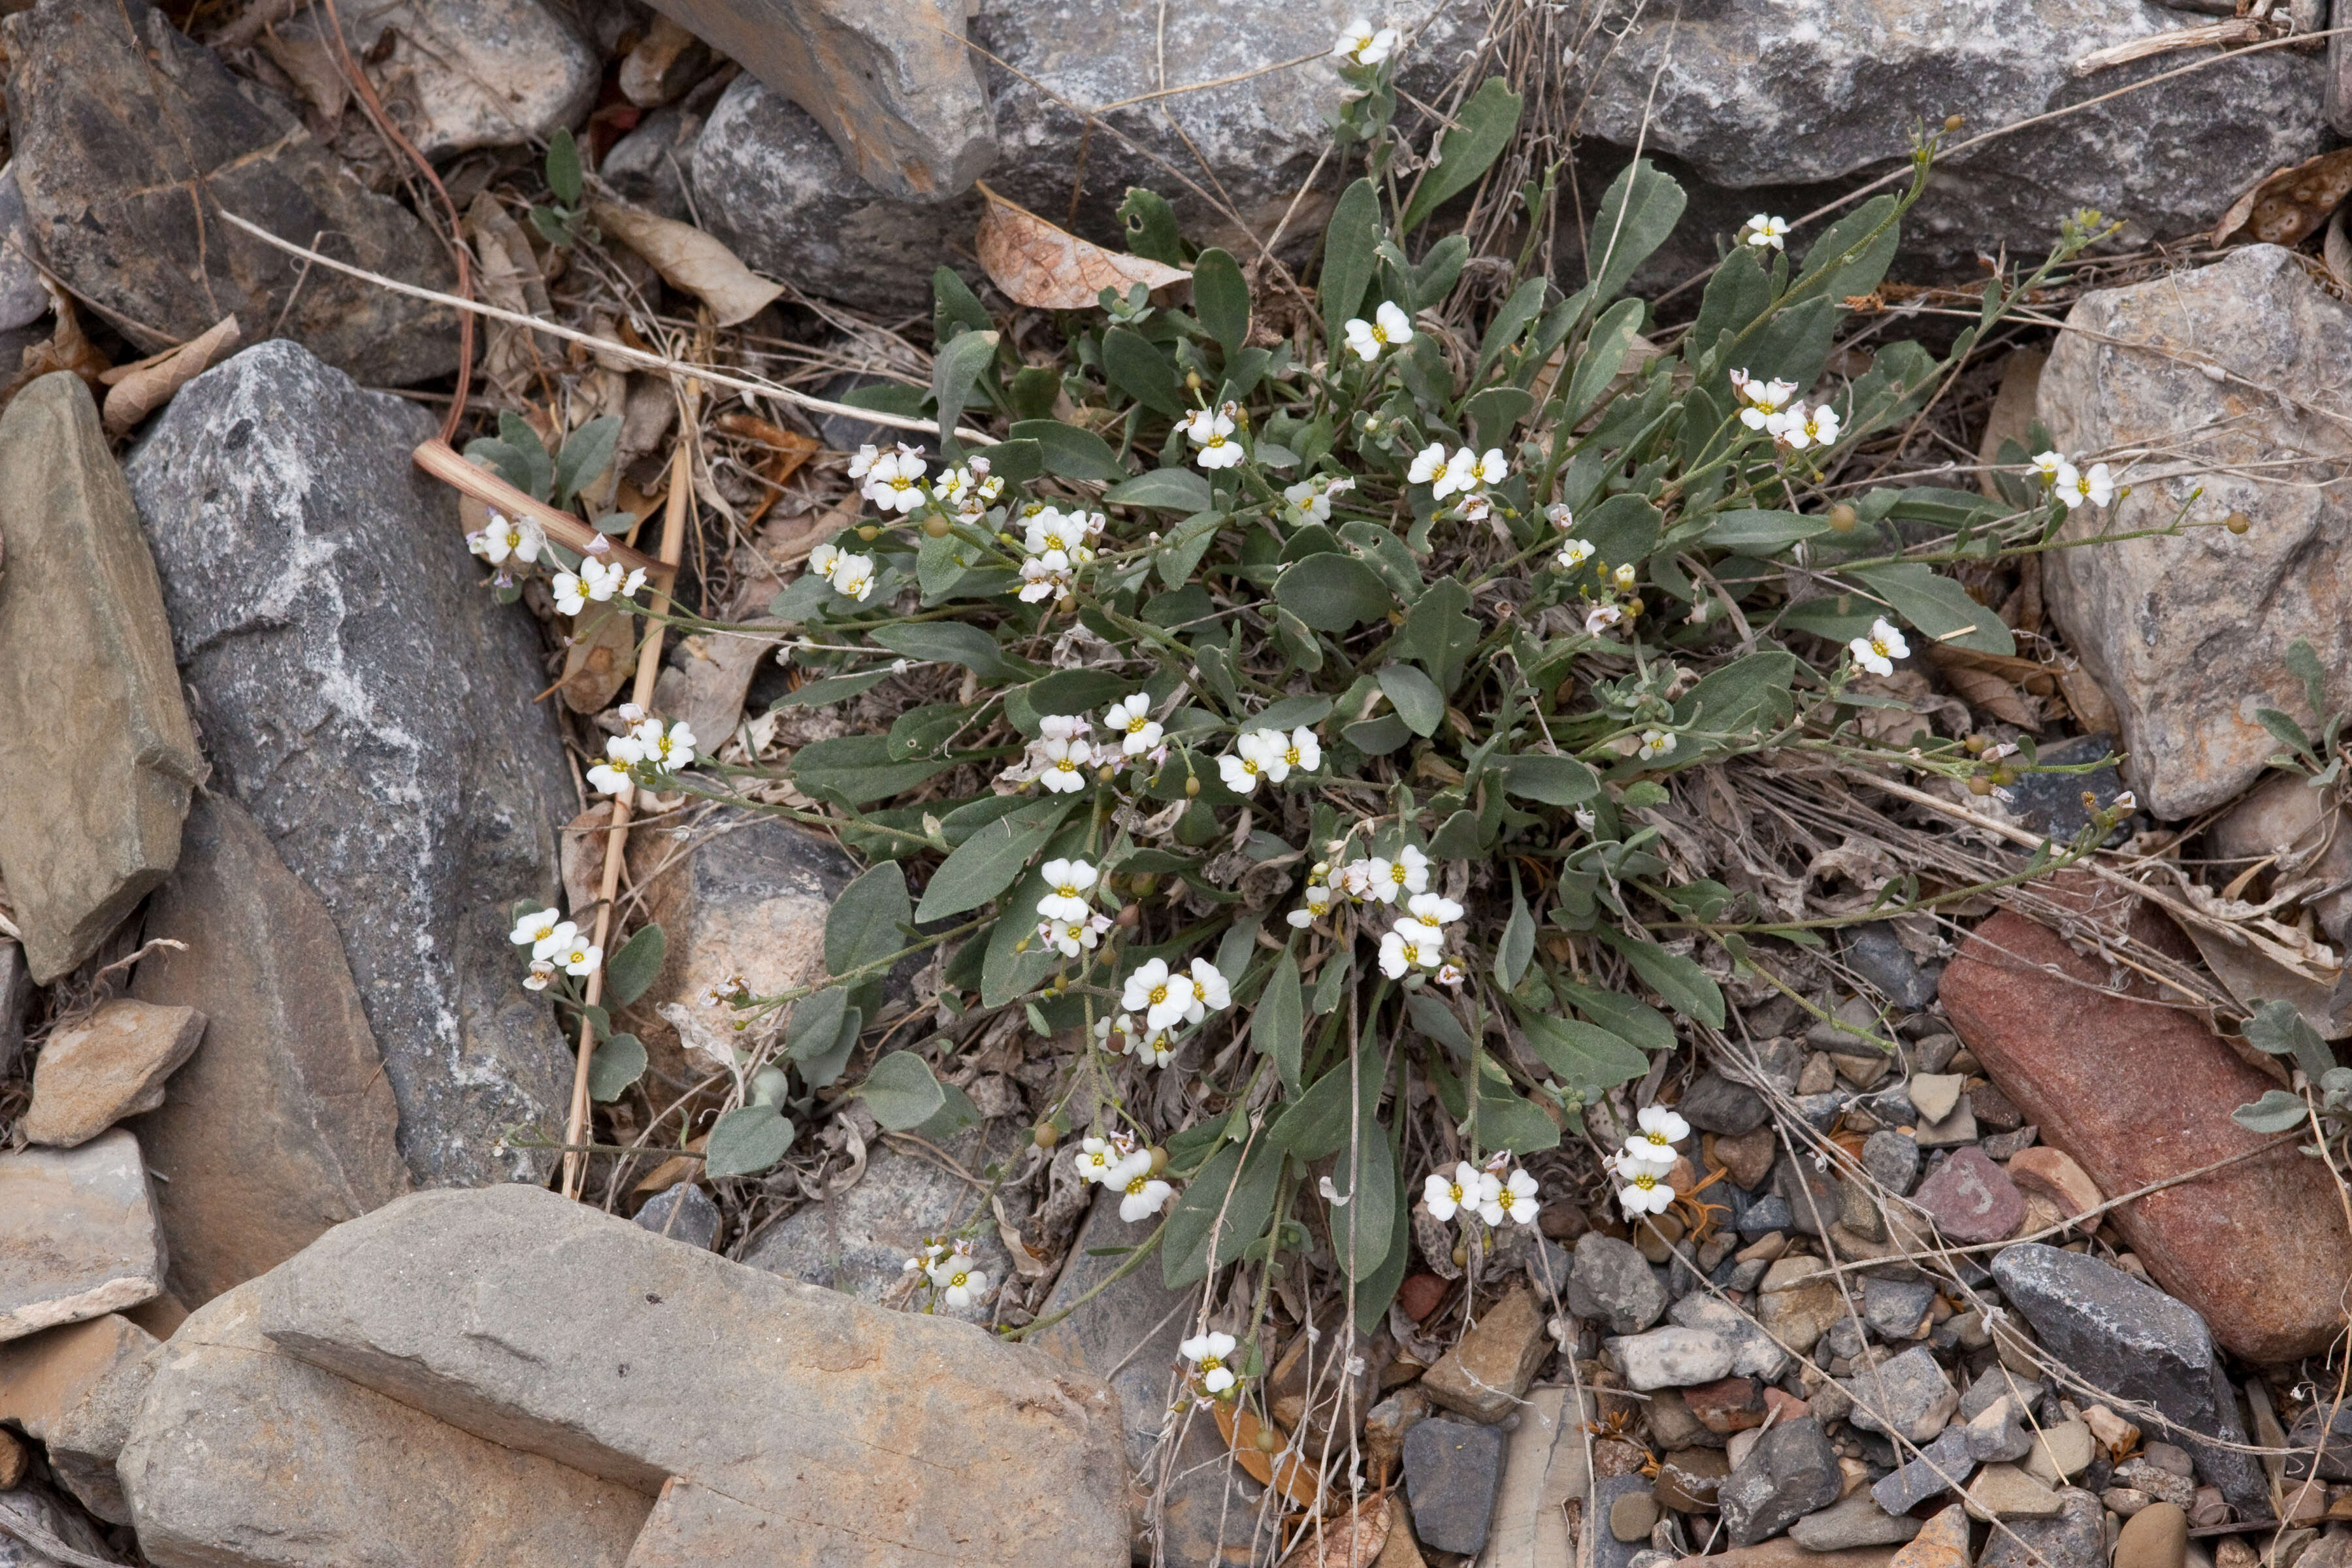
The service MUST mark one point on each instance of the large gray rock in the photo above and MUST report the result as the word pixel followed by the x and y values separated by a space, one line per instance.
pixel 97 779
pixel 130 141
pixel 370 704
pixel 282 1125
pixel 1755 97
pixel 78 1236
pixel 1613 1283
pixel 797 1426
pixel 1790 1472
pixel 2188 636
pixel 23 300
pixel 2133 1339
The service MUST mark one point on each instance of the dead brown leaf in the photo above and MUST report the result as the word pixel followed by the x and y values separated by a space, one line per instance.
pixel 64 349
pixel 602 655
pixel 676 1168
pixel 1354 1539
pixel 1297 1479
pixel 1049 269
pixel 2290 204
pixel 138 390
pixel 2338 251
pixel 788 450
pixel 1991 682
pixel 690 259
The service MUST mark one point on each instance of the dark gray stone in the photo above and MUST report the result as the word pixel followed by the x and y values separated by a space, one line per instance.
pixel 23 300
pixel 646 168
pixel 1820 1111
pixel 2331 1459
pixel 1614 1283
pixel 1790 1472
pixel 1893 1308
pixel 370 703
pixel 109 104
pixel 2000 1433
pixel 15 990
pixel 1855 1520
pixel 2051 804
pixel 1765 1216
pixel 1908 1394
pixel 2077 1538
pixel 1878 955
pixel 2134 1340
pixel 683 1213
pixel 2004 1146
pixel 1997 1384
pixel 1610 1551
pixel 1714 1103
pixel 1919 1481
pixel 1892 1159
pixel 1811 1196
pixel 1453 1475
pixel 1842 1340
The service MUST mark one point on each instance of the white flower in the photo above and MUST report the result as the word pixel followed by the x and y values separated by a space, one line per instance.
pixel 1600 617
pixel 667 750
pixel 1161 998
pixel 894 481
pixel 1451 973
pixel 1130 719
pixel 1359 45
pixel 1799 427
pixel 1515 1198
pixel 1764 232
pixel 1560 517
pixel 1877 652
pixel 1461 474
pixel 1764 398
pixel 1155 1047
pixel 1655 743
pixel 1465 1186
pixel 1211 430
pixel 504 536
pixel 1389 327
pixel 1064 726
pixel 1302 752
pixel 571 593
pixel 852 576
pixel 1208 1354
pixel 1111 1161
pixel 2052 469
pixel 1047 576
pixel 1574 553
pixel 1250 760
pixel 543 972
pixel 2097 486
pixel 1428 465
pixel 1624 577
pixel 959 1283
pixel 542 933
pixel 1072 937
pixel 930 1252
pixel 1356 878
pixel 862 464
pixel 824 557
pixel 606 779
pixel 1401 952
pixel 1660 1128
pixel 1145 1196
pixel 1646 1190
pixel 2124 804
pixel 1317 905
pixel 1210 993
pixel 1068 885
pixel 1066 766
pixel 1053 531
pixel 1407 873
pixel 1433 908
pixel 578 955
pixel 1491 468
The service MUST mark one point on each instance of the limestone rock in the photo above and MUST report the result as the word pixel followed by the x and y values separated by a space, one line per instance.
pixel 78 1236
pixel 2075 1538
pixel 244 1456
pixel 1483 1375
pixel 2286 817
pixel 110 103
pixel 854 1436
pixel 1671 1358
pixel 97 780
pixel 2056 1176
pixel 76 1388
pixel 1907 1393
pixel 1543 1467
pixel 1753 1352
pixel 2005 1492
pixel 23 300
pixel 1798 1302
pixel 281 1126
pixel 1855 1519
pixel 368 701
pixel 2189 634
pixel 111 1066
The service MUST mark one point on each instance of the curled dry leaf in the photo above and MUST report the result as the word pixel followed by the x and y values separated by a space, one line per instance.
pixel 1991 681
pixel 2286 205
pixel 1354 1539
pixel 1295 1480
pixel 690 259
pixel 135 390
pixel 1049 269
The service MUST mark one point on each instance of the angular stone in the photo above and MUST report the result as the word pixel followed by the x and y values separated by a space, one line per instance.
pixel 683 1213
pixel 1908 1395
pixel 16 991
pixel 1812 1194
pixel 1855 1519
pixel 109 1067
pixel 2156 1481
pixel 33 1508
pixel 1896 1308
pixel 2005 1492
pixel 1728 1405
pixel 99 779
pixel 1753 1353
pixel 1971 1199
pixel 1941 1543
pixel 2057 1177
pixel 1790 1472
pixel 1688 1479
pixel 1892 1159
pixel 1934 1094
pixel 1993 1109
pixel 2324 1433
pixel 1953 1132
pixel 1878 955
pixel 282 1124
pixel 244 1456
pixel 2141 613
pixel 2075 1538
pixel 111 105
pixel 1785 1552
pixel 78 1236
pixel 1999 1434
pixel 1941 1466
pixel 1483 1375
pixel 2137 1092
pixel 1749 1156
pixel 1670 1358
pixel 1453 1477
pixel 658 1385
pixel 1716 1104
pixel 23 300
pixel 1543 1467
pixel 1672 1425
pixel 1612 1282
pixel 1999 1384
pixel 76 1388
pixel 2135 1340
pixel 368 700
pixel 1798 1302
pixel 2060 1453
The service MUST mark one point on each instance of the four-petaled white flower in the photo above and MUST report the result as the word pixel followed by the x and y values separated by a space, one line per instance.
pixel 1765 232
pixel 1360 45
pixel 2054 470
pixel 1389 327
pixel 960 1281
pixel 1799 427
pixel 1211 430
pixel 1068 890
pixel 1113 1162
pixel 1433 908
pixel 1655 743
pixel 852 576
pixel 1162 997
pixel 1574 553
pixel 2096 486
pixel 1451 973
pixel 1318 904
pixel 1407 873
pixel 1047 576
pixel 1659 1129
pixel 1208 1354
pixel 543 972
pixel 1600 617
pixel 665 749
pixel 1646 1189
pixel 578 955
pixel 1251 760
pixel 1428 465
pixel 1301 754
pixel 505 536
pixel 1072 937
pixel 1066 762
pixel 1515 1198
pixel 1145 1196
pixel 1407 947
pixel 1877 652
pixel 542 933
pixel 1447 1192
pixel 894 480
pixel 1765 399
pixel 1130 719
pixel 1211 993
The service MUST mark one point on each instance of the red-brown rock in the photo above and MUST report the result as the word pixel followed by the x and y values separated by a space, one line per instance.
pixel 1971 1199
pixel 1421 1295
pixel 1727 1405
pixel 2137 1092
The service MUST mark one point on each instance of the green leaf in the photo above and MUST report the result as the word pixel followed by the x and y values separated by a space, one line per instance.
pixel 1684 984
pixel 2276 1112
pixel 1583 1055
pixel 1628 1017
pixel 1169 490
pixel 865 921
pixel 1070 452
pixel 1603 357
pixel 1492 414
pixel 587 453
pixel 1438 633
pixel 563 167
pixel 955 309
pixel 991 859
pixel 857 770
pixel 1481 128
pixel 1184 1245
pixel 1516 947
pixel 954 376
pixel 1374 1294
pixel 1363 1230
pixel 952 642
pixel 1279 1025
pixel 816 1023
pixel 746 1142
pixel 902 1093
pixel 1078 692
pixel 1527 302
pixel 1350 241
pixel 619 1062
pixel 1221 299
pixel 1555 781
pixel 1415 697
pixel 888 397
pixel 1846 260
pixel 1621 528
pixel 2280 1029
pixel 1507 1120
pixel 1637 212
pixel 955 1113
pixel 1291 712
pixel 521 463
pixel 1937 607
pixel 1316 1124
pixel 831 689
pixel 1143 372
pixel 1761 533
pixel 628 972
pixel 1437 1021
pixel 1332 593
pixel 1745 695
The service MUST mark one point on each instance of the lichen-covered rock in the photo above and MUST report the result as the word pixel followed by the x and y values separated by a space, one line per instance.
pixel 370 703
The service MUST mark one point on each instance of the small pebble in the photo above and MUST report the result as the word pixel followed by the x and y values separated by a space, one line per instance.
pixel 1632 1516
pixel 2157 1536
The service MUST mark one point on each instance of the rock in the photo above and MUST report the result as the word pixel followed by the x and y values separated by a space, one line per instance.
pixel 1487 1370
pixel 109 1067
pixel 2142 613
pixel 646 168
pixel 1727 1405
pixel 2055 1176
pixel 1612 1282
pixel 1672 1425
pixel 1941 1466
pixel 76 1389
pixel 1907 1394
pixel 2136 1341
pixel 2002 1147
pixel 1934 1095
pixel 244 1456
pixel 368 701
pixel 1688 1478
pixel 2156 1481
pixel 1015 1446
pixel 2075 1538
pixel 1790 1472
pixel 1786 1553
pixel 456 75
pixel 1716 1104
pixel 1453 1477
pixel 1971 1199
pixel 1753 1352
pixel 1670 1358
pixel 1631 1514
pixel 683 1213
pixel 1798 1302
pixel 1862 1068
pixel 1997 1434
pixel 23 300
pixel 1956 1130
pixel 2325 1432
pixel 2136 1092
pixel 16 991
pixel 282 1124
pixel 1749 1156
pixel 2060 1453
pixel 2282 815
pixel 110 102
pixel 1896 1308
pixel 1543 1467
pixel 1999 1384
pixel 78 1236
pixel 1941 1543
pixel 1752 96
pixel 1767 1215
pixel 98 785
pixel 2005 1492
pixel 1878 955
pixel 31 1506
pixel 1993 1108
pixel 1892 1159
pixel 1812 1194
pixel 2155 1537
pixel 1611 1550
pixel 1855 1519
pixel 1421 1294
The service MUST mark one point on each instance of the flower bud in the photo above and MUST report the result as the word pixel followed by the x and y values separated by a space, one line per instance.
pixel 1264 1440
pixel 1046 1135
pixel 1159 1159
pixel 1975 743
pixel 1954 121
pixel 1129 916
pixel 1842 518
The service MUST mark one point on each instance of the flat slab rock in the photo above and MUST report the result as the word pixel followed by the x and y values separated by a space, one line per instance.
pixel 111 1066
pixel 78 1236
pixel 806 1428
pixel 2137 1092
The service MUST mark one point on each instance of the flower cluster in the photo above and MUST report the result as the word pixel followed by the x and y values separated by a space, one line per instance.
pixel 1877 652
pixel 852 575
pixel 555 944
pixel 1167 997
pixel 1268 754
pixel 1468 473
pixel 1211 431
pixel 1769 408
pixel 1063 749
pixel 1072 924
pixel 1416 941
pixel 2073 486
pixel 950 1269
pixel 647 744
pixel 1647 1160
pixel 891 480
pixel 1614 602
pixel 1117 1163
pixel 1500 1192
pixel 1054 544
pixel 596 581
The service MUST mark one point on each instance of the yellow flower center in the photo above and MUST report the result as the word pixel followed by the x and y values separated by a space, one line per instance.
pixel 955 1281
pixel 1397 873
pixel 1158 994
pixel 1216 441
pixel 1066 890
pixel 1379 335
pixel 1135 1188
pixel 1135 726
pixel 1455 1189
pixel 1645 1182
pixel 1249 767
pixel 1210 1363
pixel 1290 755
pixel 1053 541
